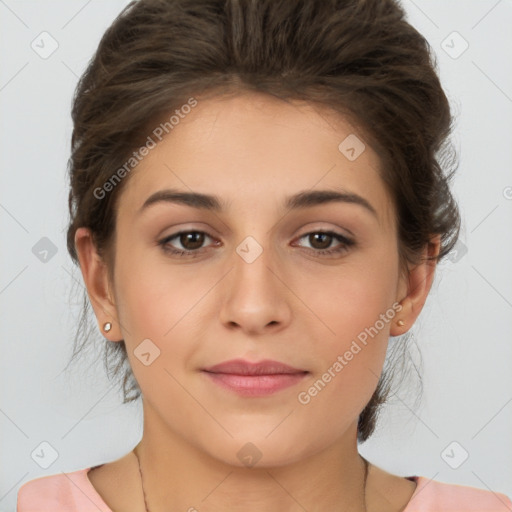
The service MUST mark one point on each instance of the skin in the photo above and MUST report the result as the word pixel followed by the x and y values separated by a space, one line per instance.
pixel 290 304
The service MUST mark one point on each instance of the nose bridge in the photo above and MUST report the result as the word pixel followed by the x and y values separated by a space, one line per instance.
pixel 256 259
pixel 255 256
pixel 254 298
pixel 256 234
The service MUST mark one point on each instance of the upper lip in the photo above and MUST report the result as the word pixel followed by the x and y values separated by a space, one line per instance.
pixel 242 367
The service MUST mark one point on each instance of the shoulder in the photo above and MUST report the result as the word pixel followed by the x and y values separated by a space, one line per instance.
pixel 436 496
pixel 72 492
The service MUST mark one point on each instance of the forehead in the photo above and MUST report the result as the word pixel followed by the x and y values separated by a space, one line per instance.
pixel 253 149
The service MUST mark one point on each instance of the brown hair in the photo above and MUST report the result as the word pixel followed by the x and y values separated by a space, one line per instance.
pixel 359 58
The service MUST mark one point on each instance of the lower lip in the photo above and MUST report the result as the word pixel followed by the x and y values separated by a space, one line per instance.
pixel 256 385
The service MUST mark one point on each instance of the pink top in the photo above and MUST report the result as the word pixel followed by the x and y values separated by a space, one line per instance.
pixel 74 492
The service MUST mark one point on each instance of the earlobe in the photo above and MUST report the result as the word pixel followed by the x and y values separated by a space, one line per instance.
pixel 95 274
pixel 419 282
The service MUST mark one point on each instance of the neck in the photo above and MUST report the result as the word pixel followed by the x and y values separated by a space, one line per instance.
pixel 179 476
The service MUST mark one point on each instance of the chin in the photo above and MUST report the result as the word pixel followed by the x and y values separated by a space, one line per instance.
pixel 260 451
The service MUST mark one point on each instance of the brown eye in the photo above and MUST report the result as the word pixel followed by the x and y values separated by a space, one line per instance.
pixel 190 241
pixel 320 242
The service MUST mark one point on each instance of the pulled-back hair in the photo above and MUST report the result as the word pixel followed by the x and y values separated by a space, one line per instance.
pixel 359 58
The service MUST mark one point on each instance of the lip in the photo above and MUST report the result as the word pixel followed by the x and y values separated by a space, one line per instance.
pixel 254 379
pixel 243 367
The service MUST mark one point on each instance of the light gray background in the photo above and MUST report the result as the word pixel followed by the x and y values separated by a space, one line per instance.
pixel 463 336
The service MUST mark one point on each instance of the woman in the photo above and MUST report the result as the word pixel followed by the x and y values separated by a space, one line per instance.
pixel 257 205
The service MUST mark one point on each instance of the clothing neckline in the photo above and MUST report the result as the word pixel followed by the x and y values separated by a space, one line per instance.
pixel 420 481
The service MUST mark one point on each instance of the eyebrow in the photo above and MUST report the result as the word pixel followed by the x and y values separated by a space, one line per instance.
pixel 301 200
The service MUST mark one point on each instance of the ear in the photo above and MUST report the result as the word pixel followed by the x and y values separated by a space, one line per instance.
pixel 94 272
pixel 415 286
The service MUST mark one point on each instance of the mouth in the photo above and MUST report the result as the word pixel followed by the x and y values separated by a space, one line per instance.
pixel 254 379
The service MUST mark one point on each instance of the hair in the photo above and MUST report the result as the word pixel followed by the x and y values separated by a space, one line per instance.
pixel 360 59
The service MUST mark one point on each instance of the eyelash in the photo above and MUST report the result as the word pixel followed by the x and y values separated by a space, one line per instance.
pixel 346 243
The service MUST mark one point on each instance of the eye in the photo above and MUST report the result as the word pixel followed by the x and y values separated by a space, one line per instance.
pixel 191 241
pixel 321 240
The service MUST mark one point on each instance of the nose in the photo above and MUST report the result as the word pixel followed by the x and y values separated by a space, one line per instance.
pixel 256 296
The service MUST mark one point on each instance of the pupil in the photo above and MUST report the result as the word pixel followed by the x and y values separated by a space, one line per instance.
pixel 325 236
pixel 189 237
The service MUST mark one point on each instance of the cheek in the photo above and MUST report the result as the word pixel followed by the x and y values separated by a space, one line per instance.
pixel 162 304
pixel 356 311
pixel 352 298
pixel 155 294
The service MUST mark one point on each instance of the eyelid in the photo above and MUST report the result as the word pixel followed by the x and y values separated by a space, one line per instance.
pixel 309 231
pixel 175 235
pixel 339 237
pixel 323 229
pixel 344 243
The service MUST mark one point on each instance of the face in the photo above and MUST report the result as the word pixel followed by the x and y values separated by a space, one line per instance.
pixel 311 284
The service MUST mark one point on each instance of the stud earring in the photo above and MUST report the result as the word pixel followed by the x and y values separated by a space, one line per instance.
pixel 107 326
pixel 400 323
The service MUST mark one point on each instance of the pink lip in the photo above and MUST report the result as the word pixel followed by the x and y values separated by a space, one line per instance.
pixel 254 379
